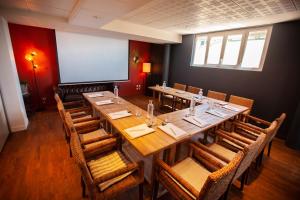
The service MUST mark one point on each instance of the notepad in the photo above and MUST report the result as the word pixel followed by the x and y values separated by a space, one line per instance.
pixel 138 131
pixel 120 114
pixel 233 108
pixel 197 121
pixel 173 131
pixel 104 102
pixel 180 92
pixel 217 113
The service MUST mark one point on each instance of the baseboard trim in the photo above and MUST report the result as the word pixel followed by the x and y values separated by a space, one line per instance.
pixel 20 127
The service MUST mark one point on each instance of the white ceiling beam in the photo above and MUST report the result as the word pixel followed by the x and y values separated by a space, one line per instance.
pixel 75 10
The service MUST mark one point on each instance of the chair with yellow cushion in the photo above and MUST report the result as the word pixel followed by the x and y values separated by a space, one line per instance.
pixel 229 143
pixel 93 138
pixel 77 118
pixel 107 174
pixel 216 95
pixel 199 176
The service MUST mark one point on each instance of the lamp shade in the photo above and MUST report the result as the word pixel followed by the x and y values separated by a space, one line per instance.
pixel 146 67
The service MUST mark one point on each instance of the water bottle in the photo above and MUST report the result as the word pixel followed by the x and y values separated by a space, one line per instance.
pixel 200 94
pixel 116 91
pixel 192 106
pixel 164 85
pixel 150 109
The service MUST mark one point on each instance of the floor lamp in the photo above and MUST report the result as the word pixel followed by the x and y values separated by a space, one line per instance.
pixel 30 57
pixel 146 70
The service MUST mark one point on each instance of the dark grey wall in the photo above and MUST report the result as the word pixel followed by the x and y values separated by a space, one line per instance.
pixel 275 89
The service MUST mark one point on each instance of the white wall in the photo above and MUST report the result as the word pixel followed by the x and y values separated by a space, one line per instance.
pixel 9 82
pixel 4 131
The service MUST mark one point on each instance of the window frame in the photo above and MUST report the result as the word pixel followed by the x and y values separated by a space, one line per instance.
pixel 225 34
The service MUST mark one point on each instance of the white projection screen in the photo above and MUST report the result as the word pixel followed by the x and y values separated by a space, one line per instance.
pixel 86 58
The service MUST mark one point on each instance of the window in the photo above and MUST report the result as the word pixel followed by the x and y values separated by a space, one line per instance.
pixel 254 49
pixel 239 49
pixel 232 49
pixel 200 50
pixel 214 52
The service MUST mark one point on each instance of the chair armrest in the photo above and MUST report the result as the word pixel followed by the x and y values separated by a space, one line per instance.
pixel 87 119
pixel 257 120
pixel 73 103
pixel 98 139
pixel 111 175
pixel 80 109
pixel 241 138
pixel 206 158
pixel 162 165
pixel 88 126
pixel 230 138
pixel 248 127
pixel 205 148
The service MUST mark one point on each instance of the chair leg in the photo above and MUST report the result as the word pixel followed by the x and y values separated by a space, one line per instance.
pixel 269 148
pixel 225 195
pixel 141 191
pixel 83 187
pixel 155 190
pixel 243 178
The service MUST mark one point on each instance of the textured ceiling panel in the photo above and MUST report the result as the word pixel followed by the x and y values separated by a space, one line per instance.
pixel 180 15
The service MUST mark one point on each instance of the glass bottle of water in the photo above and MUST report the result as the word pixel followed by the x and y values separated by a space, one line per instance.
pixel 192 106
pixel 200 94
pixel 164 85
pixel 150 110
pixel 116 91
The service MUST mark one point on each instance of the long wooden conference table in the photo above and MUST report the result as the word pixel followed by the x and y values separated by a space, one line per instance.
pixel 157 143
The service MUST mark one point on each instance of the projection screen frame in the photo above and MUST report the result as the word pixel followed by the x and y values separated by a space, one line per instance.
pixel 92 82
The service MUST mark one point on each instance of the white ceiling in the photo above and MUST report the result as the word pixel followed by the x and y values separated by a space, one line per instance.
pixel 161 21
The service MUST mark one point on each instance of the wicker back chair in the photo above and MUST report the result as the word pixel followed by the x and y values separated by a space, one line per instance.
pixel 252 131
pixel 216 95
pixel 193 89
pixel 251 152
pixel 215 181
pixel 242 101
pixel 93 138
pixel 106 184
pixel 179 86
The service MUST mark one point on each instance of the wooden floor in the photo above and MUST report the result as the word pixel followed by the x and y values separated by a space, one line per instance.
pixel 35 164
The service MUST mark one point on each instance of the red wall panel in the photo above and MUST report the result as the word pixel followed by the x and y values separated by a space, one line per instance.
pixel 26 39
pixel 136 75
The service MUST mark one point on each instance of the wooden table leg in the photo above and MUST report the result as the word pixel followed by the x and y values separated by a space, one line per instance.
pixel 171 155
pixel 154 158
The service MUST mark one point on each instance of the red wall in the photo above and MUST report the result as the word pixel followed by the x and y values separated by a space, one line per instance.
pixel 26 39
pixel 41 40
pixel 136 75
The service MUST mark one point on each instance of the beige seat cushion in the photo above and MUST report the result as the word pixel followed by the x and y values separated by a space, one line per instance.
pixel 92 136
pixel 107 164
pixel 219 149
pixel 192 172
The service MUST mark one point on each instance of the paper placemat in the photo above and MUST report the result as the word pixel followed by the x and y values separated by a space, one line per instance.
pixel 197 121
pixel 217 113
pixel 233 108
pixel 173 131
pixel 138 131
pixel 104 102
pixel 119 114
pixel 95 95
